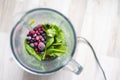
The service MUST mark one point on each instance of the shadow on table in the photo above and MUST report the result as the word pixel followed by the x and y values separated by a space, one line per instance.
pixel 61 75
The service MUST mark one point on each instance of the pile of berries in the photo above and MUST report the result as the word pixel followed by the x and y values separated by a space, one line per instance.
pixel 36 38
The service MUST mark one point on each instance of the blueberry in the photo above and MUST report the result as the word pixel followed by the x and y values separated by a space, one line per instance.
pixel 42 52
pixel 31 44
pixel 42 39
pixel 44 42
pixel 28 37
pixel 35 28
pixel 34 35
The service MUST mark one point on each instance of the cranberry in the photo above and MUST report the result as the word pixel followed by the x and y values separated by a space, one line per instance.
pixel 36 32
pixel 35 28
pixel 36 49
pixel 36 43
pixel 40 37
pixel 41 32
pixel 33 39
pixel 32 32
pixel 39 26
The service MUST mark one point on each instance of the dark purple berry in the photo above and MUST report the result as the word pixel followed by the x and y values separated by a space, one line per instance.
pixel 36 49
pixel 34 35
pixel 42 52
pixel 35 28
pixel 41 32
pixel 33 39
pixel 42 39
pixel 44 42
pixel 28 37
pixel 31 44
pixel 39 26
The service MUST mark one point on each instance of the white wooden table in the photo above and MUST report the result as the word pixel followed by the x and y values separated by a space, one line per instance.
pixel 96 20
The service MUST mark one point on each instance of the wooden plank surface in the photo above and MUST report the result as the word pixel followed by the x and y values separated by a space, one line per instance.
pixel 96 20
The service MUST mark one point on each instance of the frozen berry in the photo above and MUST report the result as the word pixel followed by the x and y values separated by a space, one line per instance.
pixel 44 42
pixel 36 44
pixel 42 52
pixel 36 49
pixel 41 32
pixel 34 35
pixel 35 28
pixel 42 39
pixel 39 26
pixel 32 32
pixel 33 39
pixel 37 38
pixel 41 46
pixel 31 44
pixel 28 37
pixel 36 32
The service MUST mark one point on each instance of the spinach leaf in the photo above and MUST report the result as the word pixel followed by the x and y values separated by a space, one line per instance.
pixel 51 32
pixel 57 50
pixel 49 41
pixel 31 51
pixel 56 54
pixel 56 44
pixel 59 37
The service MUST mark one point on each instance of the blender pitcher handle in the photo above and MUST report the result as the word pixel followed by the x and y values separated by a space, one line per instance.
pixel 73 65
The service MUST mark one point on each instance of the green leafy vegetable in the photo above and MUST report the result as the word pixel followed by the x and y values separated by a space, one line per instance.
pixel 51 32
pixel 49 41
pixel 31 51
pixel 31 22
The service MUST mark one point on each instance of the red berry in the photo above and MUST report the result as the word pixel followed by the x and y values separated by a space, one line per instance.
pixel 31 32
pixel 40 37
pixel 36 44
pixel 36 32
pixel 33 39
pixel 37 38
pixel 39 26
pixel 36 49
pixel 42 29
pixel 41 32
